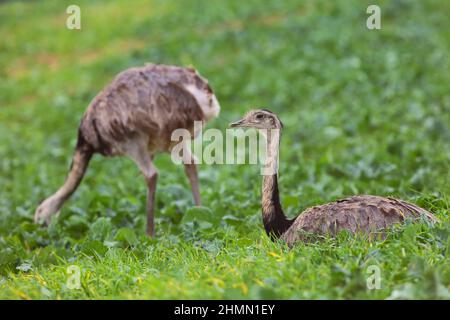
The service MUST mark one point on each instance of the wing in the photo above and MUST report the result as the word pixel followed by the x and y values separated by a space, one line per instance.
pixel 363 214
pixel 175 108
pixel 139 103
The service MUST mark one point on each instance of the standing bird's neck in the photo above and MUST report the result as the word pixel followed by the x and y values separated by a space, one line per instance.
pixel 274 219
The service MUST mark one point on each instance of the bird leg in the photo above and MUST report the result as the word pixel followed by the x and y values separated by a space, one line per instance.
pixel 151 188
pixel 191 172
pixel 190 167
pixel 140 155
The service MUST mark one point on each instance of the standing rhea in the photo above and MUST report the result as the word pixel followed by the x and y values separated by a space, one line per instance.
pixel 357 214
pixel 135 116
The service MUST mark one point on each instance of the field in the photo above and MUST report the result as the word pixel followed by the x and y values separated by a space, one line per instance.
pixel 364 112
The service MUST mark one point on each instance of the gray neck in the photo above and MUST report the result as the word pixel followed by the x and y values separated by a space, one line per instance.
pixel 275 222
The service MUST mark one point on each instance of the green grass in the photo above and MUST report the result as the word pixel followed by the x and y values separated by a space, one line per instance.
pixel 364 112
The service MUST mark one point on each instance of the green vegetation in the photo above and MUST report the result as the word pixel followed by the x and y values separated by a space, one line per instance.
pixel 364 112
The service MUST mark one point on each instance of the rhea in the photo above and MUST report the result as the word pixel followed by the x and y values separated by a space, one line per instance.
pixel 134 116
pixel 357 214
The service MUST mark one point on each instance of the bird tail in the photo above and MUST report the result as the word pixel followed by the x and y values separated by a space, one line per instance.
pixel 418 211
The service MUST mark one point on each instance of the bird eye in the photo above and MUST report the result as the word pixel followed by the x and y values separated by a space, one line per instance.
pixel 259 116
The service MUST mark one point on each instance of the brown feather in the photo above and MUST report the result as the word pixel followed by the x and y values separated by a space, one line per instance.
pixel 148 102
pixel 357 214
pixel 135 115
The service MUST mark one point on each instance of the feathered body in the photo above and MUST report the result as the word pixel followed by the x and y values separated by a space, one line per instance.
pixel 357 214
pixel 135 116
pixel 146 103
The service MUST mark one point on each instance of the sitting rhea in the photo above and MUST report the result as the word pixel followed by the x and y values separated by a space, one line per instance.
pixel 357 214
pixel 135 116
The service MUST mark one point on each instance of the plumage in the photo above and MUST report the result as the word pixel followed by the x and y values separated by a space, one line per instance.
pixel 146 103
pixel 357 214
pixel 135 116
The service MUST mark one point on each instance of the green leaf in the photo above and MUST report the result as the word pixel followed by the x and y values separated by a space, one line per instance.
pixel 126 236
pixel 100 229
pixel 203 215
pixel 93 248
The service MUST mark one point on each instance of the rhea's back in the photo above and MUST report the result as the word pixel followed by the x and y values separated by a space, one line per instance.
pixel 363 213
pixel 145 101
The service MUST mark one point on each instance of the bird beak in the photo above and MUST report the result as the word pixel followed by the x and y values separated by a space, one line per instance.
pixel 238 123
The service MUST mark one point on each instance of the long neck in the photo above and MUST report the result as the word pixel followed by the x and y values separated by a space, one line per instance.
pixel 275 222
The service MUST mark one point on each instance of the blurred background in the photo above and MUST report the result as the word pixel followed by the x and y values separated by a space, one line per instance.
pixel 365 111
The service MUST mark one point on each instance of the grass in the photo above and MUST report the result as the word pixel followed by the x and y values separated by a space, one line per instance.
pixel 364 112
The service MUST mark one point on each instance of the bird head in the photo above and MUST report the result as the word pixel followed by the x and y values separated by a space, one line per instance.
pixel 259 119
